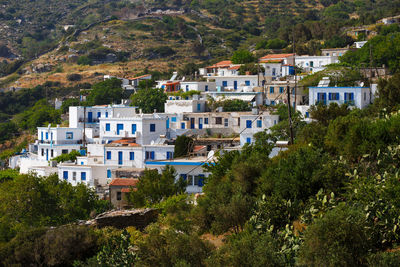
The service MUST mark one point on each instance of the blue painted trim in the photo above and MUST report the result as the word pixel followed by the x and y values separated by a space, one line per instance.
pixel 174 163
pixel 339 87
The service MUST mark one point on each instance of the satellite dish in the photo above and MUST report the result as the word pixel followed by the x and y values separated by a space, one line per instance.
pixel 210 154
pixel 362 84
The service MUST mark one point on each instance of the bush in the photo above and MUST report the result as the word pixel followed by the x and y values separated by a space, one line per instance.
pixel 74 77
pixel 84 60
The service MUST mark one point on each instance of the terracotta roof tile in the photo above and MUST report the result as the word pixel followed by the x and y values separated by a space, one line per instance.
pixel 124 182
pixel 135 78
pixel 276 56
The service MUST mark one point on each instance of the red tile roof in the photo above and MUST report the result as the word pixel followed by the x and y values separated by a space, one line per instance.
pixel 127 190
pixel 198 148
pixel 221 64
pixel 273 61
pixel 124 182
pixel 234 67
pixel 126 141
pixel 276 56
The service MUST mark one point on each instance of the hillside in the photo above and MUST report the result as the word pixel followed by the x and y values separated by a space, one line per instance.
pixel 164 35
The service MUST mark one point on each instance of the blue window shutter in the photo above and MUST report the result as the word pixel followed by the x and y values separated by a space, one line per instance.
pixel 131 155
pixel 47 136
pixel 182 125
pixel 108 154
pixel 271 90
pixel 184 176
pixel 337 96
pixel 107 127
pixel 198 107
pixel 248 124
pixel 345 96
pixel 133 128
pixel 201 180
pixel 65 175
pixel 108 173
pixel 83 176
pixel 248 140
pixel 152 127
pixel 351 96
pixel 247 83
pixel 259 123
pixel 41 135
pixel 173 119
pixel 98 114
pixel 330 96
pixel 152 155
pixel 106 114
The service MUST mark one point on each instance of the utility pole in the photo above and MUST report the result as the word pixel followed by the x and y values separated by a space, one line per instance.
pixel 295 73
pixel 289 114
pixel 84 127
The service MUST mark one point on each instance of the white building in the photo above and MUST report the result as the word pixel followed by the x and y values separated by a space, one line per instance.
pixel 254 123
pixel 144 127
pixel 197 86
pixel 359 97
pixel 238 83
pixel 315 63
pixel 191 170
pixel 360 44
pixel 181 106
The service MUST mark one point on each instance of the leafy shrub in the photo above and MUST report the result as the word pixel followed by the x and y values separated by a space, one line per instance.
pixel 74 77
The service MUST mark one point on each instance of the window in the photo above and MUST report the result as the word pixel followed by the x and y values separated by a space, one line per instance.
pixel 224 83
pixel 205 120
pixel 74 176
pixel 198 107
pixel 83 176
pixel 120 127
pixel 42 152
pixel 218 120
pixel 184 177
pixel 108 154
pixel 150 155
pixel 307 114
pixel 106 114
pixel 120 157
pixel 98 114
pixel 170 155
pixel 65 175
pixel 107 127
pixel 133 128
pixel 274 122
pixel 190 179
pixel 333 96
pixel 173 119
pixel 119 196
pixel 226 122
pixel 51 153
pixel 152 127
pixel 271 90
pixel 69 135
pixel 64 151
pixel 108 173
pixel 247 83
pixel 187 88
pixel 238 119
pixel 41 136
pixel 47 136
pixel 272 102
pixel 200 181
pixel 131 155
pixel 349 98
pixel 365 96
pixel 182 125
pixel 206 88
pixel 248 123
pixel 280 90
pixel 259 123
pixel 248 140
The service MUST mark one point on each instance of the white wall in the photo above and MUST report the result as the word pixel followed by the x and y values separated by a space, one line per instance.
pixel 181 106
pixel 361 95
pixel 253 79
pixel 45 150
pixel 198 86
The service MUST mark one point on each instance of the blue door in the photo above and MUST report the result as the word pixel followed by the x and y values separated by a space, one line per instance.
pixel 120 127
pixel 224 83
pixel 120 158
pixel 191 123
pixel 90 116
pixel 235 85
pixel 168 123
pixel 200 123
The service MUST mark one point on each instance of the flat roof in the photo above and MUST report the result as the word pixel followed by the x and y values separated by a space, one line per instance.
pixel 193 161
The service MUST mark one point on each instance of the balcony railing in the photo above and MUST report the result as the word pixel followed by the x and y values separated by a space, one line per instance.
pixel 339 102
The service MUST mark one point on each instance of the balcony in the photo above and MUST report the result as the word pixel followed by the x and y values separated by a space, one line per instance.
pixel 339 102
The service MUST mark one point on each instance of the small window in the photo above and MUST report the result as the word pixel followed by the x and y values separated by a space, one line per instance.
pixel 47 136
pixel 365 96
pixel 248 123
pixel 224 83
pixel 198 107
pixel 280 90
pixel 108 154
pixel 74 176
pixel 218 120
pixel 190 179
pixel 248 140
pixel 108 173
pixel 226 122
pixel 119 196
pixel 170 155
pixel 98 114
pixel 51 153
pixel 152 127
pixel 106 114
pixel 69 135
pixel 108 127
pixel 259 123
pixel 173 119
pixel 205 120
pixel 247 83
pixel 206 88
pixel 65 175
pixel 271 90
pixel 131 155
pixel 133 128
pixel 83 176
pixel 42 152
pixel 182 125
pixel 64 151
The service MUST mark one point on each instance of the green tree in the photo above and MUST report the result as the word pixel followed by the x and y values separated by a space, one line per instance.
pixel 149 99
pixel 242 57
pixel 69 102
pixel 154 187
pixel 325 114
pixel 340 237
pixel 106 92
pixel 388 95
pixel 183 146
